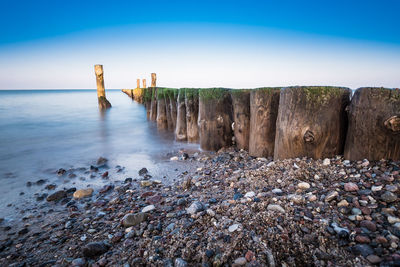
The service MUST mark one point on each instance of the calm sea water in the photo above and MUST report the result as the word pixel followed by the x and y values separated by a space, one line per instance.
pixel 44 130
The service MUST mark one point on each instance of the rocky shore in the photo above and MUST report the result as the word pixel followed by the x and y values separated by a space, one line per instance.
pixel 231 210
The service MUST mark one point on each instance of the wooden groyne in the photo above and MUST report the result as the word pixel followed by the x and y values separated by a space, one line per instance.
pixel 301 121
pixel 101 91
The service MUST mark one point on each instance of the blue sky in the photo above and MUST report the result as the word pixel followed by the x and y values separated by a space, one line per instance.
pixel 54 44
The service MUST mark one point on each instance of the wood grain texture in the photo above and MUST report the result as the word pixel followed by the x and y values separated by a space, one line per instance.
pixel 241 117
pixel 312 122
pixel 180 130
pixel 192 113
pixel 374 125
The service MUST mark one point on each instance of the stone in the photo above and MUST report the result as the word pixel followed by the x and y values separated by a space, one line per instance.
pixel 81 193
pixel 350 187
pixel 326 162
pixel 101 161
pixel 356 211
pixel 363 250
pixel 250 194
pixel 331 195
pixel 393 219
pixel 343 203
pixel 375 188
pixel 146 183
pixel 143 171
pixel 187 183
pixel 57 196
pixel 195 207
pixel 368 225
pixel 274 207
pixel 78 262
pixel 303 186
pixel 95 249
pixel 277 191
pixel 148 208
pixel 312 198
pixel 388 197
pixel 362 239
pixel 179 262
pixel 174 158
pixel 250 256
pixel 131 219
pixel 233 227
pixel 240 261
pixel 374 259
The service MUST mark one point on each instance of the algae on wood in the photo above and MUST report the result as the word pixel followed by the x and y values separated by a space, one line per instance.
pixel 192 113
pixel 181 129
pixel 241 117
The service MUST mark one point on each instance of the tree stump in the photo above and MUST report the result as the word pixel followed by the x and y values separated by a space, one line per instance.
pixel 101 91
pixel 215 118
pixel 264 103
pixel 173 106
pixel 374 125
pixel 311 122
pixel 162 122
pixel 241 117
pixel 192 113
pixel 153 105
pixel 181 130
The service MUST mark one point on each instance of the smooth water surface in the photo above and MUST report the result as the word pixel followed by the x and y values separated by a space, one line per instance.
pixel 44 130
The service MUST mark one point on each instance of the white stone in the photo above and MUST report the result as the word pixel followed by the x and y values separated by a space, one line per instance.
pixel 233 227
pixel 174 158
pixel 295 166
pixel 392 219
pixel 210 212
pixel 274 207
pixel 148 208
pixel 303 185
pixel 376 188
pixel 326 162
pixel 250 194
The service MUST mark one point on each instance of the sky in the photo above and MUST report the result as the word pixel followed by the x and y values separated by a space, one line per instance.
pixel 234 44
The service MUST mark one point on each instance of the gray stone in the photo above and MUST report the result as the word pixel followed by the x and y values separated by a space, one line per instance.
pixel 389 197
pixel 195 207
pixel 131 219
pixel 57 196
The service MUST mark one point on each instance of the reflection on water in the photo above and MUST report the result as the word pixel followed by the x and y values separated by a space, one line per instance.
pixel 42 131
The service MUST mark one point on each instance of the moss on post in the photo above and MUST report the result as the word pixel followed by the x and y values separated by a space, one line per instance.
pixel 192 113
pixel 181 128
pixel 241 117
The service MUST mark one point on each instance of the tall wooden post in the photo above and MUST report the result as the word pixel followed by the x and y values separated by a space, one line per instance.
pixel 241 117
pixel 181 130
pixel 137 83
pixel 101 91
pixel 144 83
pixel 153 80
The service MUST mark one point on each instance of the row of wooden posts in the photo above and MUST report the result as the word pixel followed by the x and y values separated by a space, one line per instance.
pixel 300 121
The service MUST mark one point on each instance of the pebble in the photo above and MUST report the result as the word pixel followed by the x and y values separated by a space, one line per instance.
pixel 274 207
pixel 180 263
pixel 376 188
pixel 146 183
pixel 81 193
pixel 174 158
pixel 388 197
pixel 78 262
pixel 350 187
pixel 57 196
pixel 94 249
pixel 195 207
pixel 131 219
pixel 368 225
pixel 374 259
pixel 343 203
pixel 331 195
pixel 326 162
pixel 250 194
pixel 148 208
pixel 393 219
pixel 303 185
pixel 233 227
pixel 240 261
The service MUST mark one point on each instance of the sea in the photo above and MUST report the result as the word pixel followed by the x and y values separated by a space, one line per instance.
pixel 42 131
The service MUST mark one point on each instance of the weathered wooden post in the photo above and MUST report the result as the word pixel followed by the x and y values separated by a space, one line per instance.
pixel 181 130
pixel 137 83
pixel 144 83
pixel 147 101
pixel 264 103
pixel 192 113
pixel 311 122
pixel 153 105
pixel 374 125
pixel 153 80
pixel 215 118
pixel 101 91
pixel 241 117
pixel 173 106
pixel 167 92
pixel 162 122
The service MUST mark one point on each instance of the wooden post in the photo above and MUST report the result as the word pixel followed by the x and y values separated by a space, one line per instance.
pixel 147 101
pixel 374 125
pixel 180 131
pixel 162 122
pixel 192 113
pixel 264 103
pixel 215 118
pixel 241 117
pixel 144 83
pixel 168 109
pixel 173 106
pixel 101 91
pixel 137 83
pixel 153 105
pixel 153 80
pixel 311 122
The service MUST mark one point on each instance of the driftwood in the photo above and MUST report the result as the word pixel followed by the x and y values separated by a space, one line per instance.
pixel 374 125
pixel 192 113
pixel 101 91
pixel 241 117
pixel 215 118
pixel 181 130
pixel 264 103
pixel 311 122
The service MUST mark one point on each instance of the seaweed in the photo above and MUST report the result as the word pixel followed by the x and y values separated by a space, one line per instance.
pixel 213 93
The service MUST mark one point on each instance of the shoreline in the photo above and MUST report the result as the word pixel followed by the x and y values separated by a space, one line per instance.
pixel 228 208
